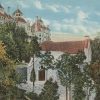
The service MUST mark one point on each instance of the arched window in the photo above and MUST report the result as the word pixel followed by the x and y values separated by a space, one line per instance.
pixel 42 74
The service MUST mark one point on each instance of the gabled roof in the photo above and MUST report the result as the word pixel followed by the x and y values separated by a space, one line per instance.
pixel 17 11
pixel 71 47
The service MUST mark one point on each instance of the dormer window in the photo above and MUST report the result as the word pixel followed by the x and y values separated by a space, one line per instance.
pixel 17 14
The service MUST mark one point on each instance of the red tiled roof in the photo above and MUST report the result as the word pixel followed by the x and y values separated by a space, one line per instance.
pixel 70 46
pixel 19 19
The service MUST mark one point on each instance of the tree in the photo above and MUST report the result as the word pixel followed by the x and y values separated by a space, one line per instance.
pixel 2 51
pixel 95 65
pixel 95 47
pixel 34 52
pixel 95 75
pixel 33 96
pixel 8 53
pixel 5 37
pixel 49 91
pixel 16 41
pixel 7 69
pixel 21 40
pixel 47 59
pixel 69 70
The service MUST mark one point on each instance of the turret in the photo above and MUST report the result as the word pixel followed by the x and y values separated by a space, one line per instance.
pixel 17 13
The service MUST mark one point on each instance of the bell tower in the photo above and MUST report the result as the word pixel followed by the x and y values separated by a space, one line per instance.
pixel 17 13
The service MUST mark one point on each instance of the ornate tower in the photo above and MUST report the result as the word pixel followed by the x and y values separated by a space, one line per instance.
pixel 17 13
pixel 19 19
pixel 40 30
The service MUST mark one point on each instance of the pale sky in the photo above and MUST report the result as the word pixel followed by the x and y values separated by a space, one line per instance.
pixel 68 19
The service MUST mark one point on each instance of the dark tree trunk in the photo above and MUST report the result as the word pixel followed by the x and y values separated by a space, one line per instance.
pixel 66 93
pixel 33 73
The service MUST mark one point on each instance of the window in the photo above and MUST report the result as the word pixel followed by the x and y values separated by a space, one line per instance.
pixel 42 74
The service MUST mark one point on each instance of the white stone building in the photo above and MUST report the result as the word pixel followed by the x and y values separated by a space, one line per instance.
pixel 56 48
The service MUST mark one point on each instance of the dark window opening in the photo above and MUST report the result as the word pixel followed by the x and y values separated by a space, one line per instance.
pixel 42 74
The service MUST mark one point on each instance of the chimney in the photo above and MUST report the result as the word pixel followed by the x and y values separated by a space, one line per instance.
pixel 86 41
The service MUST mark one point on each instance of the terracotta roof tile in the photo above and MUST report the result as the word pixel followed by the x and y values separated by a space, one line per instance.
pixel 70 46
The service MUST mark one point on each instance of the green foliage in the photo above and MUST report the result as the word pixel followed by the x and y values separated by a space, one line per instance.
pixel 34 51
pixel 71 72
pixel 49 92
pixel 69 67
pixel 7 76
pixel 79 94
pixel 97 97
pixel 16 41
pixel 33 76
pixel 17 94
pixel 18 49
pixel 34 47
pixel 95 49
pixel 95 66
pixel 47 59
pixel 33 96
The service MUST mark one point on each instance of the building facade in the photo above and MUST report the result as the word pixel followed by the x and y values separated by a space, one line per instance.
pixel 38 28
